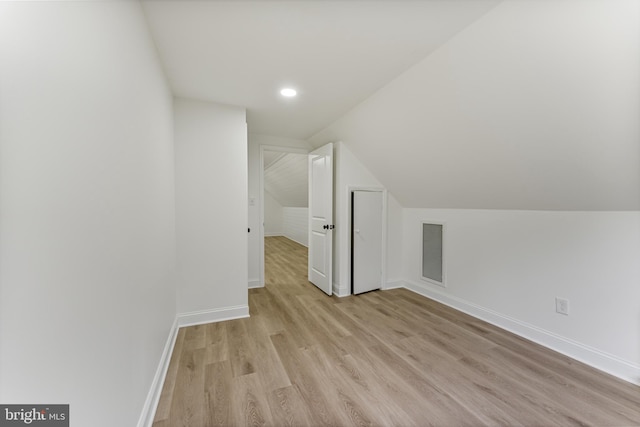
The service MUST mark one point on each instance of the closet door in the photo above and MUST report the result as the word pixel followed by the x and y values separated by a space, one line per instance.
pixel 366 247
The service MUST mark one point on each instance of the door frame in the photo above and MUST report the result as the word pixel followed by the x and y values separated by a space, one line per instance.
pixel 263 148
pixel 350 190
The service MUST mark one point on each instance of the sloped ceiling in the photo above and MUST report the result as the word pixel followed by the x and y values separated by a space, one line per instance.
pixel 534 106
pixel 529 104
pixel 336 53
pixel 286 177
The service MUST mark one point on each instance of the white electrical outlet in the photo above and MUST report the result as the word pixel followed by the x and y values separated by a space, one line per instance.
pixel 562 306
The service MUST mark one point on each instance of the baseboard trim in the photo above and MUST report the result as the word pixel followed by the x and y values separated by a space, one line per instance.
pixel 211 316
pixel 341 291
pixel 273 234
pixel 394 284
pixel 255 284
pixel 294 240
pixel 591 356
pixel 182 320
pixel 153 397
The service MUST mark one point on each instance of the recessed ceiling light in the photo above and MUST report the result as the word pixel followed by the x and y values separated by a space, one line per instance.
pixel 288 92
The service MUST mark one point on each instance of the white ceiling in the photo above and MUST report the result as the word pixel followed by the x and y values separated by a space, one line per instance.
pixel 270 157
pixel 534 107
pixel 336 53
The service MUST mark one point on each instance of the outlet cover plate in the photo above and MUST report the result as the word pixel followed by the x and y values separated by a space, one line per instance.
pixel 562 306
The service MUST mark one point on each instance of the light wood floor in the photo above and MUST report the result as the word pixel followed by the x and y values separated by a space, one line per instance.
pixel 382 358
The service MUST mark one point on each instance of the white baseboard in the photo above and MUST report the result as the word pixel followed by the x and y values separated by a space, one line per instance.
pixel 394 284
pixel 255 284
pixel 211 316
pixel 341 291
pixel 297 241
pixel 182 320
pixel 153 397
pixel 608 363
pixel 273 234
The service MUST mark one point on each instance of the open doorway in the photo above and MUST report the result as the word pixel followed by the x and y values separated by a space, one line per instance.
pixel 285 204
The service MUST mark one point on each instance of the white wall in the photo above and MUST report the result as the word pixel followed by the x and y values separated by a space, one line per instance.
pixel 296 224
pixel 508 267
pixel 87 241
pixel 349 172
pixel 534 106
pixel 272 216
pixel 255 168
pixel 395 247
pixel 211 209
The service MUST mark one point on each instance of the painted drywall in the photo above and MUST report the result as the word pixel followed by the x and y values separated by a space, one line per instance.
pixel 510 266
pixel 211 209
pixel 255 168
pixel 272 216
pixel 536 105
pixel 87 240
pixel 395 247
pixel 532 111
pixel 349 172
pixel 296 224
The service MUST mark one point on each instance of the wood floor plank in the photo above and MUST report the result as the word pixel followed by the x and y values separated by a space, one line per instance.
pixel 217 344
pixel 383 380
pixel 166 396
pixel 475 390
pixel 187 406
pixel 286 306
pixel 306 378
pixel 442 408
pixel 249 405
pixel 270 315
pixel 601 382
pixel 267 363
pixel 240 348
pixel 323 316
pixel 217 385
pixel 589 404
pixel 532 402
pixel 343 396
pixel 195 337
pixel 287 406
pixel 352 393
pixel 366 384
pixel 384 358
pixel 387 330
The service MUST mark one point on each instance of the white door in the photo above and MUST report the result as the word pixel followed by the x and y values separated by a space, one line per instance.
pixel 321 217
pixel 366 268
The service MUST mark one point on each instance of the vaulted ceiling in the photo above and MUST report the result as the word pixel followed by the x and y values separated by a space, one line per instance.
pixel 536 106
pixel 286 178
pixel 336 53
pixel 529 104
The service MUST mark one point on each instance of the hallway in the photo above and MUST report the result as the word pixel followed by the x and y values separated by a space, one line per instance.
pixel 285 261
